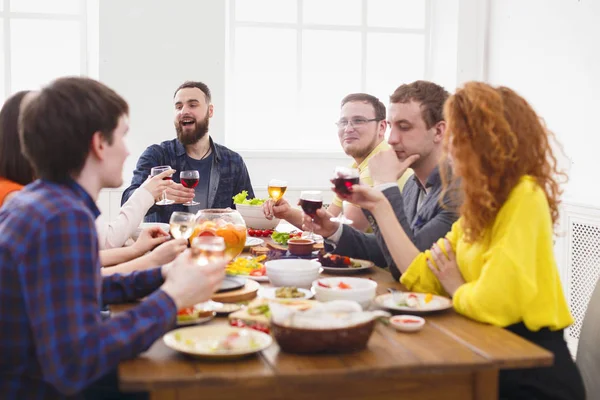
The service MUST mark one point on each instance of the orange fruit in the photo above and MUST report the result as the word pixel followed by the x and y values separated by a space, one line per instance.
pixel 229 235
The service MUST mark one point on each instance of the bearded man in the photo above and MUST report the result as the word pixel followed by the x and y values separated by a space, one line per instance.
pixel 222 171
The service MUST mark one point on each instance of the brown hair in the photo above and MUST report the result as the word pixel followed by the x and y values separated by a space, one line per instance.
pixel 496 138
pixel 198 85
pixel 431 96
pixel 378 106
pixel 57 126
pixel 13 165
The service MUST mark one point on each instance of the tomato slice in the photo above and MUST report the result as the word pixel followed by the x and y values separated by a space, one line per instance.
pixel 323 284
pixel 257 272
pixel 186 311
pixel 343 285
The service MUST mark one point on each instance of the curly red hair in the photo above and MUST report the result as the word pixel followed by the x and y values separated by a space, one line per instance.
pixel 494 138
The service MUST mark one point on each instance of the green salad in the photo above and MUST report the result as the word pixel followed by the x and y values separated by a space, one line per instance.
pixel 241 198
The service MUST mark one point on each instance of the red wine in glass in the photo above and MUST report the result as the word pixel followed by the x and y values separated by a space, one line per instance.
pixel 310 207
pixel 343 185
pixel 343 179
pixel 190 182
pixel 190 179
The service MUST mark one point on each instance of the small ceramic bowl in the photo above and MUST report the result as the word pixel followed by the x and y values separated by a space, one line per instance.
pixel 407 323
pixel 300 247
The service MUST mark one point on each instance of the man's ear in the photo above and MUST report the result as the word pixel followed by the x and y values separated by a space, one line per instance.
pixel 210 111
pixel 440 131
pixel 98 145
pixel 382 128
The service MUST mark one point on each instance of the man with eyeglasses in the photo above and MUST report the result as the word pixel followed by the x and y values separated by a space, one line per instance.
pixel 417 128
pixel 361 131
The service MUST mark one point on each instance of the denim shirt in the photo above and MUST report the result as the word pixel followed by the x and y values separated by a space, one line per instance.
pixel 228 176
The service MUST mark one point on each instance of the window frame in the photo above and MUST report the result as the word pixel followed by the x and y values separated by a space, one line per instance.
pixel 299 26
pixel 88 20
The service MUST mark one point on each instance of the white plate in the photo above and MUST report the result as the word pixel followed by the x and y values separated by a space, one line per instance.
pixel 253 241
pixel 196 321
pixel 263 278
pixel 269 293
pixel 197 341
pixel 437 303
pixel 347 270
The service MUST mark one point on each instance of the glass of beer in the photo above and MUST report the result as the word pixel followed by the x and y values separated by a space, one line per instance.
pixel 343 179
pixel 190 179
pixel 156 171
pixel 311 201
pixel 276 189
pixel 182 224
pixel 207 249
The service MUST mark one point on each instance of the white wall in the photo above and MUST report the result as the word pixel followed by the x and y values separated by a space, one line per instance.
pixel 148 47
pixel 548 51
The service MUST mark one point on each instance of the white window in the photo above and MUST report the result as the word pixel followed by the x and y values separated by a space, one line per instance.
pixel 292 61
pixel 42 40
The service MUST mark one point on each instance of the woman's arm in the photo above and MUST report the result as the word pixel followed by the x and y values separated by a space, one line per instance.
pixel 119 255
pixel 149 239
pixel 163 254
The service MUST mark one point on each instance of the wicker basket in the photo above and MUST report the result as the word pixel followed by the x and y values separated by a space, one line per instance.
pixel 305 341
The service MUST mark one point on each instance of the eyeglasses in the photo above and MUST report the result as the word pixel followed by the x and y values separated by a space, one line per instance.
pixel 355 122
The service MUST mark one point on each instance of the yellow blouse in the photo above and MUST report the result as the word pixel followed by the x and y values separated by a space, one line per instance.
pixel 511 274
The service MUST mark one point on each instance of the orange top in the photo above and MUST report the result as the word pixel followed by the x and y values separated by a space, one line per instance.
pixel 7 187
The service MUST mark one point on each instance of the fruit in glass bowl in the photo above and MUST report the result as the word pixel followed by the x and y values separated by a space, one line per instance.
pixel 226 223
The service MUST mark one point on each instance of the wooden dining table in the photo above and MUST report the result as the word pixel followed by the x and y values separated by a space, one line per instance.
pixel 452 357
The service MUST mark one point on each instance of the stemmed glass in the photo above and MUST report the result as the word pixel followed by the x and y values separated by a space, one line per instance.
pixel 343 179
pixel 190 179
pixel 311 201
pixel 157 171
pixel 207 249
pixel 182 224
pixel 276 189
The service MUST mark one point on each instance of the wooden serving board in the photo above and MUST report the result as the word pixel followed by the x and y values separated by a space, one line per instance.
pixel 248 292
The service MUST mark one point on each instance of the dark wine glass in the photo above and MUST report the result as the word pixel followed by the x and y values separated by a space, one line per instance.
pixel 311 201
pixel 190 179
pixel 343 179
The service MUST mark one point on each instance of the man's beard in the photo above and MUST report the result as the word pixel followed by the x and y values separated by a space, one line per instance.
pixel 194 136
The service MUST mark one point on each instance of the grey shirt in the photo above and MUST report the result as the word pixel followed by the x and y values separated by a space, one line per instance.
pixel 423 224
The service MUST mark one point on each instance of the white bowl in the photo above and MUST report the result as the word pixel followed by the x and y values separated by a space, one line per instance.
pixel 293 272
pixel 361 290
pixel 401 323
pixel 254 217
pixel 146 225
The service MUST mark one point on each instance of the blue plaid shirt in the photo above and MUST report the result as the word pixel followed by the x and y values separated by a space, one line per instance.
pixel 53 341
pixel 228 176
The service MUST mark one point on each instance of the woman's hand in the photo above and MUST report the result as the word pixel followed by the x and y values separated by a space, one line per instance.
pixel 447 270
pixel 149 239
pixel 157 184
pixel 167 252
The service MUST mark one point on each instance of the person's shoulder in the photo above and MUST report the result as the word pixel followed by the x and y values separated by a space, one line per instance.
pixel 527 189
pixel 40 202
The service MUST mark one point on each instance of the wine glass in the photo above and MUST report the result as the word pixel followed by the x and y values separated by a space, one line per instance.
pixel 311 201
pixel 276 189
pixel 190 179
pixel 343 179
pixel 206 249
pixel 182 224
pixel 156 171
